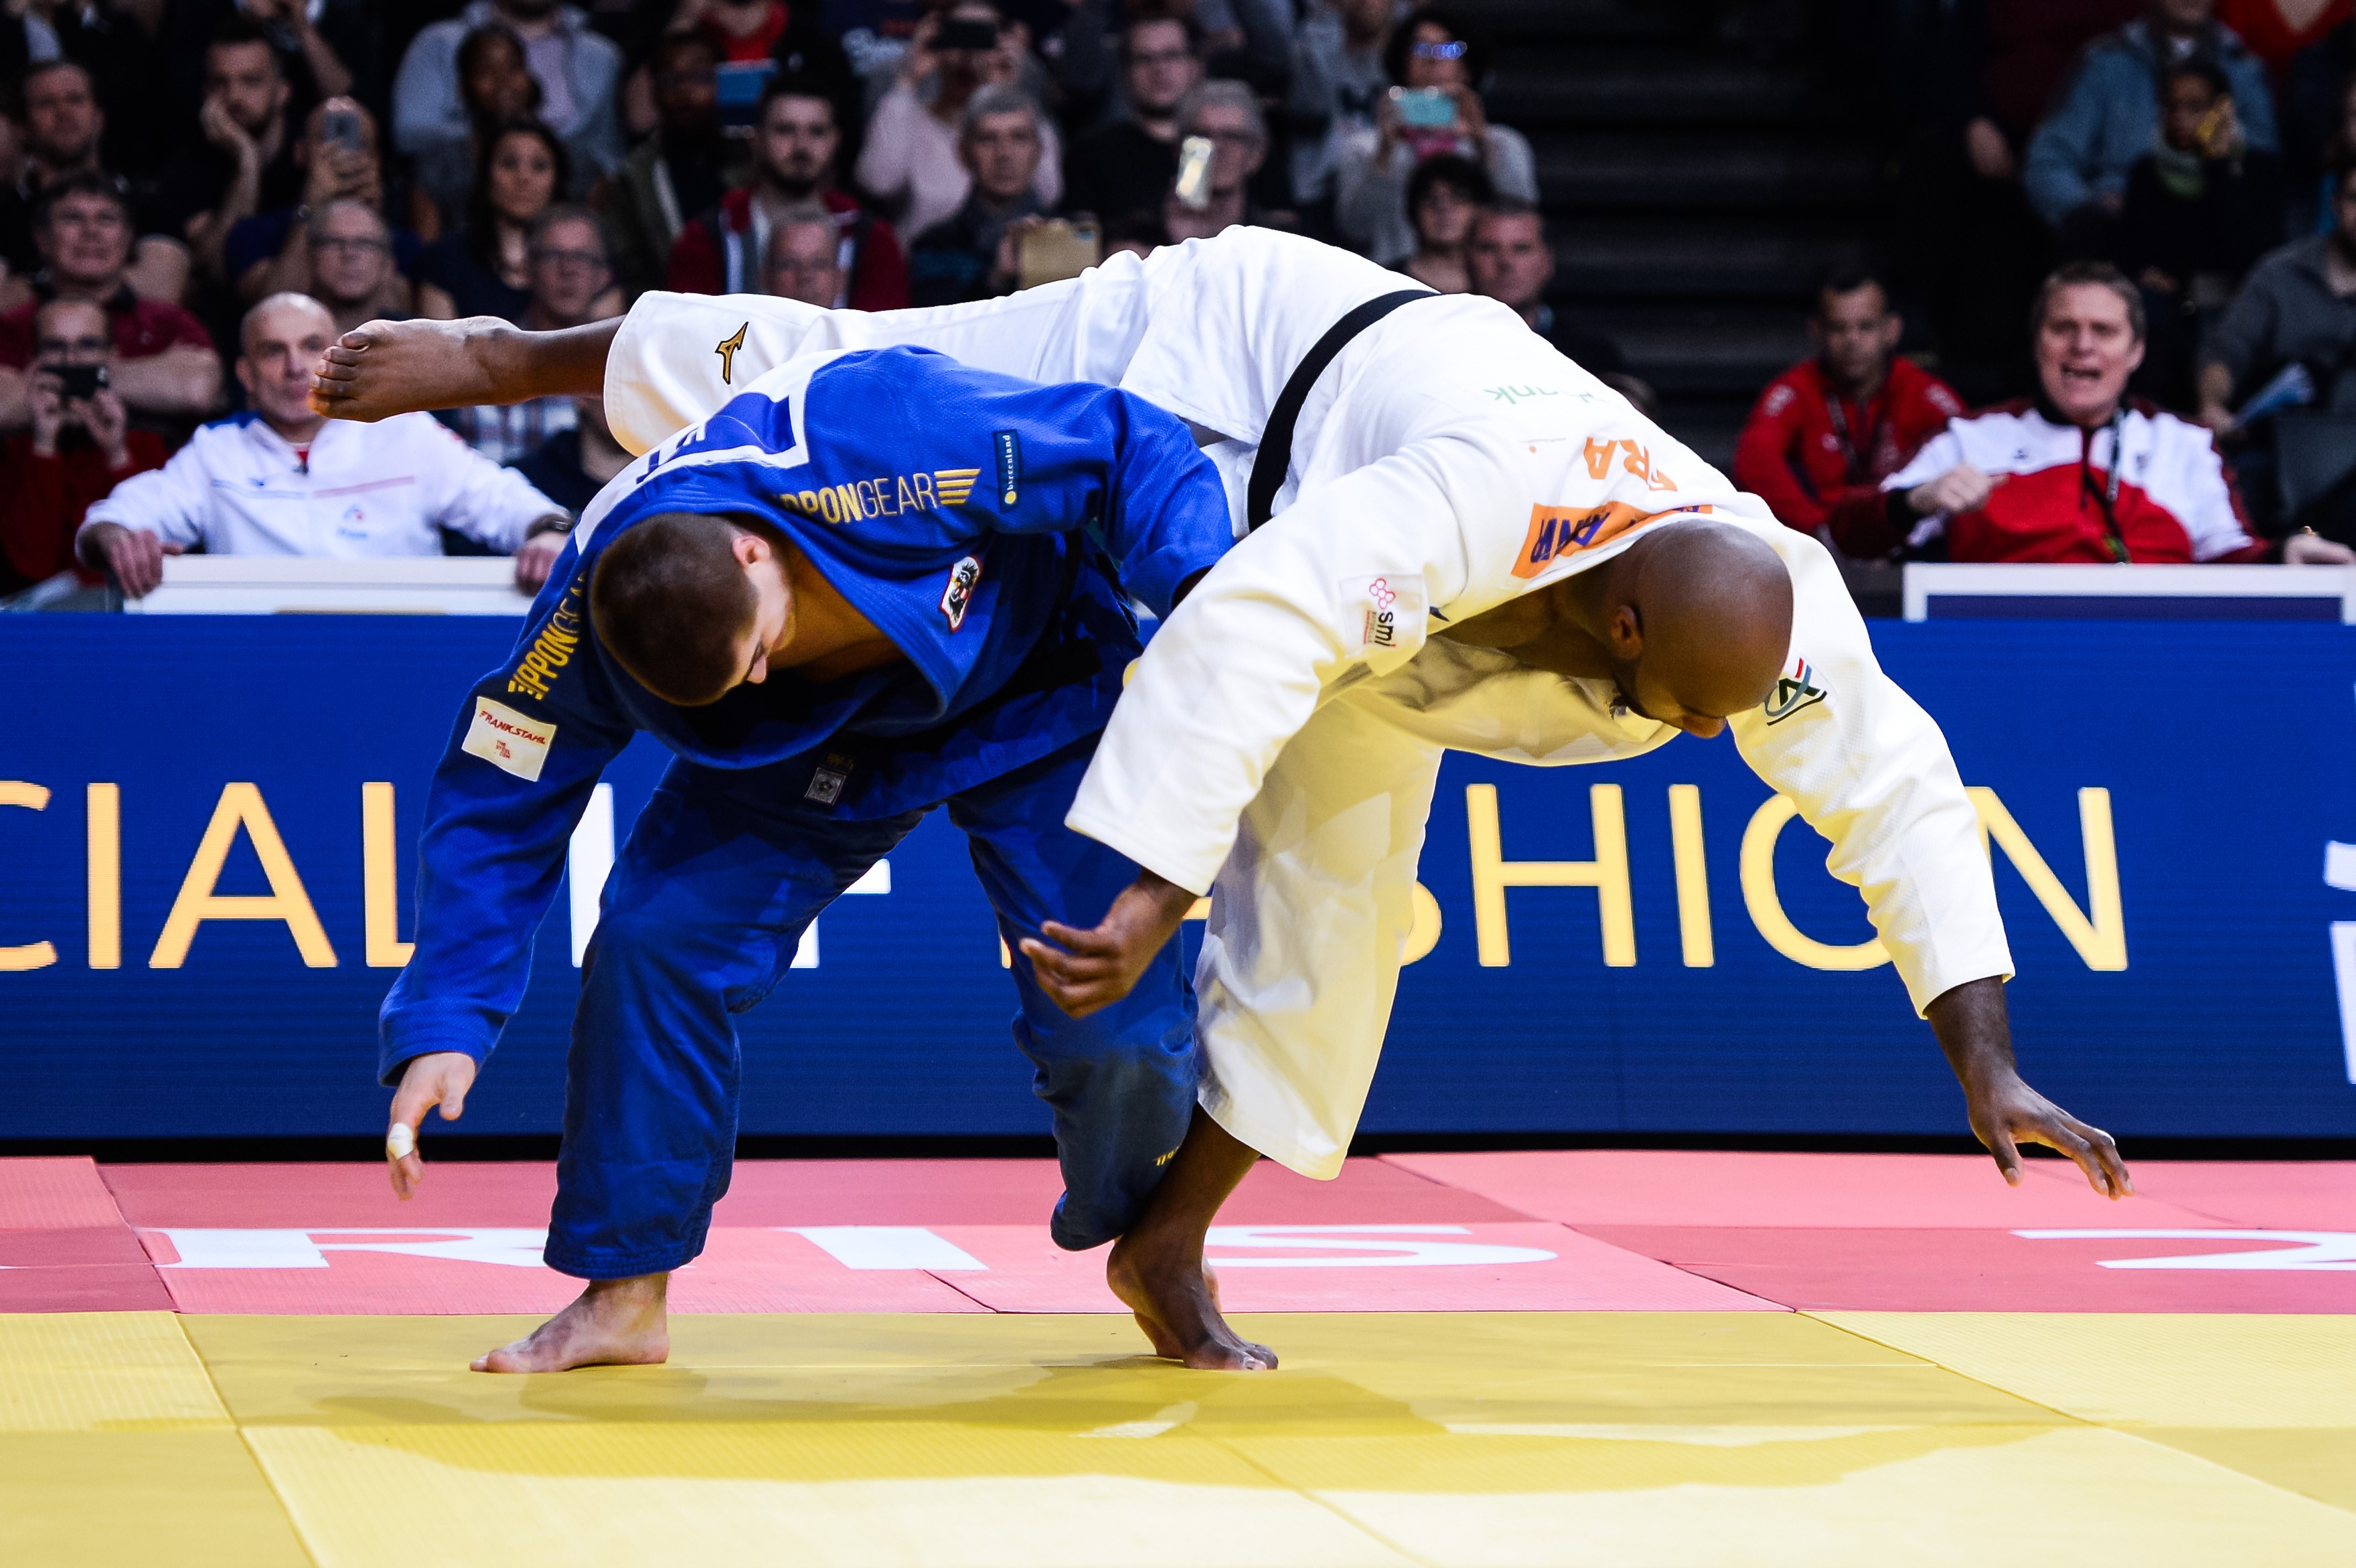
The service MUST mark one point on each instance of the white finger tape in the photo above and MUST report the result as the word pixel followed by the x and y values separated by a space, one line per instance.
pixel 400 1142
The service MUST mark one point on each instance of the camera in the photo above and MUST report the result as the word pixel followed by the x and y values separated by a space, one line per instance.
pixel 78 381
pixel 341 128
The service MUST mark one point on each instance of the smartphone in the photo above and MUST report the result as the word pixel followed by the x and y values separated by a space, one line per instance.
pixel 78 381
pixel 341 128
pixel 966 33
pixel 1194 186
pixel 1424 108
pixel 1059 249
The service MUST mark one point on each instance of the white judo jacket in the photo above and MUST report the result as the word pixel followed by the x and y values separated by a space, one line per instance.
pixel 1281 735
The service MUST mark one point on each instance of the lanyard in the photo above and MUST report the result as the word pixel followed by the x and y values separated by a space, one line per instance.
pixel 2107 497
pixel 1852 465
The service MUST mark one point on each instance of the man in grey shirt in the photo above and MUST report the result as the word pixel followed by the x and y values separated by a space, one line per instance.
pixel 2298 306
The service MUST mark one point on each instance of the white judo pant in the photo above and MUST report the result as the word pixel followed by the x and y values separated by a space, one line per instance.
pixel 1309 917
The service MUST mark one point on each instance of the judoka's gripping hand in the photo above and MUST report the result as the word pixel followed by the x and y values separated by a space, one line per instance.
pixel 1093 970
pixel 438 1077
pixel 1976 1034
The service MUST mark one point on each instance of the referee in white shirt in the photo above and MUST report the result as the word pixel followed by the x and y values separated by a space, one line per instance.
pixel 280 480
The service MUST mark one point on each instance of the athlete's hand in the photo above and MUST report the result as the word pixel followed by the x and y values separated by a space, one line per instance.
pixel 1976 1033
pixel 1090 970
pixel 439 1077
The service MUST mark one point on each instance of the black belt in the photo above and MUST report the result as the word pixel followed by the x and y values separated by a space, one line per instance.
pixel 1275 459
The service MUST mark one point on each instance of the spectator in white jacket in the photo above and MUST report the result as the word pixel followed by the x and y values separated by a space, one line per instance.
pixel 1438 64
pixel 280 480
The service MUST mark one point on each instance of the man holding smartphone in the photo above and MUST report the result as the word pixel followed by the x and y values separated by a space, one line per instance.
pixel 81 444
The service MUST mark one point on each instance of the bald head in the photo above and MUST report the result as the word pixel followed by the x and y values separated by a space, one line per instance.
pixel 1697 617
pixel 280 340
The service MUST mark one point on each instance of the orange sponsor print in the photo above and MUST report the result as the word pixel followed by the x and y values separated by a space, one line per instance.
pixel 1559 531
pixel 1598 455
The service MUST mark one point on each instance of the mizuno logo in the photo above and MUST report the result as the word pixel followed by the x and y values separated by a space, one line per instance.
pixel 955 484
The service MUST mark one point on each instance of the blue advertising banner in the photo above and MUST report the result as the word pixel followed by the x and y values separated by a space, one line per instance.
pixel 208 834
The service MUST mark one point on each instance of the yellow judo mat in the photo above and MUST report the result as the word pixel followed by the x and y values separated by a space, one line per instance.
pixel 1693 1439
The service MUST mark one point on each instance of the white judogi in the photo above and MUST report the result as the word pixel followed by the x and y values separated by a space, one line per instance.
pixel 1279 741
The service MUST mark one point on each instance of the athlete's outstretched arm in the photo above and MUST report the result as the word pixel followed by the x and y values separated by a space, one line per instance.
pixel 385 367
pixel 1975 1032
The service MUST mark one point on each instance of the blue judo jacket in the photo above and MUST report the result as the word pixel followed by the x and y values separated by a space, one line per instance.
pixel 989 527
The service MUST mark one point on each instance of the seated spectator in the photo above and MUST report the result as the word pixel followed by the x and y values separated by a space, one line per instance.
pixel 2297 307
pixel 495 88
pixel 910 162
pixel 1337 79
pixel 1432 52
pixel 571 285
pixel 164 369
pixel 327 48
pixel 2337 149
pixel 280 480
pixel 1509 261
pixel 1443 195
pixel 2077 168
pixel 579 71
pixel 351 266
pixel 81 447
pixel 1832 428
pixel 805 256
pixel 2202 206
pixel 683 169
pixel 795 141
pixel 270 251
pixel 244 161
pixel 2315 100
pixel 108 42
pixel 485 268
pixel 1227 114
pixel 62 131
pixel 2075 473
pixel 574 465
pixel 1127 165
pixel 973 254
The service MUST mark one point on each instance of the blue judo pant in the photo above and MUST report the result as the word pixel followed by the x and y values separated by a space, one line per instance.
pixel 701 919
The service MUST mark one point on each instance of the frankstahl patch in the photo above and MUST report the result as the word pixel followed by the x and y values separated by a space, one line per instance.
pixel 507 740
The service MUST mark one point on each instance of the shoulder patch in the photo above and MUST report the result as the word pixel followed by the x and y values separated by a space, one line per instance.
pixel 1796 689
pixel 957 597
pixel 1008 448
pixel 507 740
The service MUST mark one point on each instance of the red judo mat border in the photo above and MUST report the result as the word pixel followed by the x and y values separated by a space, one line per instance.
pixel 1564 1230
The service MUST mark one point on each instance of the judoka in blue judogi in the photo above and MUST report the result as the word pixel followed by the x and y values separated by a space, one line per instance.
pixel 993 531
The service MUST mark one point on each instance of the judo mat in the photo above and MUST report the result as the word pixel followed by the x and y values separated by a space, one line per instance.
pixel 1573 1358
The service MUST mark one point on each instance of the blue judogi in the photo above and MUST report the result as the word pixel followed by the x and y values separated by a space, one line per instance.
pixel 982 524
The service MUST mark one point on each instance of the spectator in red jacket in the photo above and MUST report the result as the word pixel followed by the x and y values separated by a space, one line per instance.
pixel 795 145
pixel 1832 427
pixel 78 448
pixel 2077 474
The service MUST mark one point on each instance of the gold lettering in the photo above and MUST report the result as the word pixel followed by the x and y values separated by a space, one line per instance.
pixel 2100 935
pixel 851 512
pixel 907 500
pixel 381 879
pixel 829 505
pixel 1693 877
pixel 1607 874
pixel 1766 905
pixel 31 955
pixel 923 483
pixel 241 805
pixel 103 837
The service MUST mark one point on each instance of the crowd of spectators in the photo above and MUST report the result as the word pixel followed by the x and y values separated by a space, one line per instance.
pixel 177 176
pixel 2131 228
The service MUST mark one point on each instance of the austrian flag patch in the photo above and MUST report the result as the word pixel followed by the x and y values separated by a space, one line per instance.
pixel 957 597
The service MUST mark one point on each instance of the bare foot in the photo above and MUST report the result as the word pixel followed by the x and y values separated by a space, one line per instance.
pixel 614 1323
pixel 383 368
pixel 1175 1300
